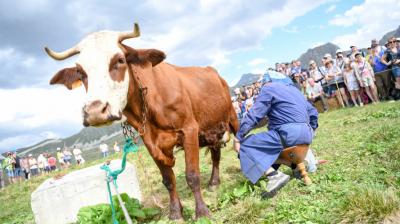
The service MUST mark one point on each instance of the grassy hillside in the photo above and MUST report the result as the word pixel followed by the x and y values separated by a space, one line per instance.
pixel 87 139
pixel 360 183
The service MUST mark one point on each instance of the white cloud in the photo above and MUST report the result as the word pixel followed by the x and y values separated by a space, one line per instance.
pixel 330 9
pixel 197 35
pixel 38 113
pixel 6 53
pixel 258 65
pixel 258 70
pixel 373 18
pixel 312 27
pixel 33 107
pixel 293 29
pixel 257 61
pixel 219 58
pixel 20 69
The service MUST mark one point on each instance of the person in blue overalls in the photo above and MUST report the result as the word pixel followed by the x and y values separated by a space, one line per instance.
pixel 291 121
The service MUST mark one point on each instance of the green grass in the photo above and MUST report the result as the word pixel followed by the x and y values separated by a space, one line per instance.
pixel 360 183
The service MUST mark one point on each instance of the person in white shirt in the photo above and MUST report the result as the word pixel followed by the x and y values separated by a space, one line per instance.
pixel 315 93
pixel 78 155
pixel 33 165
pixel 42 163
pixel 104 149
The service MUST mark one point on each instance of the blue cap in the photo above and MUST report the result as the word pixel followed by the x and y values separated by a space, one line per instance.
pixel 273 76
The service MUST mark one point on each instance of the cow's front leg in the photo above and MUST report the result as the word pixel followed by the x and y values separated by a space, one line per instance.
pixel 191 146
pixel 169 181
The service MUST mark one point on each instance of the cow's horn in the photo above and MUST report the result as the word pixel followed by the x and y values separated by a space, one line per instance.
pixel 62 55
pixel 126 35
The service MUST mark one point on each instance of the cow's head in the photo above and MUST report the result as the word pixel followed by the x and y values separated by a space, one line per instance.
pixel 102 67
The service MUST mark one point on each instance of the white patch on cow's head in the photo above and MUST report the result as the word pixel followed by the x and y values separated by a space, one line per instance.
pixel 96 52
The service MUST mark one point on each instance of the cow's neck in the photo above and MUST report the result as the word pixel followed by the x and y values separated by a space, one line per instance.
pixel 134 108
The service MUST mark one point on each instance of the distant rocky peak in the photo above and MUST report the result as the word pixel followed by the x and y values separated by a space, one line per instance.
pixel 317 53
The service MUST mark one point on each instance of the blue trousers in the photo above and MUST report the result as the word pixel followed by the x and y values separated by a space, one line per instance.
pixel 259 151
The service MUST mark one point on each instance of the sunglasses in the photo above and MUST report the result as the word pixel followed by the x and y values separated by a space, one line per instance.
pixel 391 42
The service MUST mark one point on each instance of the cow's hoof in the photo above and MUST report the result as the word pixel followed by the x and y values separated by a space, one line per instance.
pixel 175 212
pixel 212 188
pixel 202 212
pixel 177 217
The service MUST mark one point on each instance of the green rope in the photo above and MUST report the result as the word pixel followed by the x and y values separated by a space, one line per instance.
pixel 129 146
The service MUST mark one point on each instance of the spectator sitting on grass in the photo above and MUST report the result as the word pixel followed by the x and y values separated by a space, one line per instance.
pixel 315 93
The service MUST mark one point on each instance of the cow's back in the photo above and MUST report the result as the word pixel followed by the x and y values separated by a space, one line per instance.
pixel 203 89
pixel 209 93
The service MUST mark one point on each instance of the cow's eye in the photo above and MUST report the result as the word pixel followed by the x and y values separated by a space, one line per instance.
pixel 121 61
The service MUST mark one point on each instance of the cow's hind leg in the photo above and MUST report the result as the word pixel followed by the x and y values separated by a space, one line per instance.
pixel 169 181
pixel 191 147
pixel 215 156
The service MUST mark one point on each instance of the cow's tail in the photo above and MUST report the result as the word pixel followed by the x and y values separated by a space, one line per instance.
pixel 233 121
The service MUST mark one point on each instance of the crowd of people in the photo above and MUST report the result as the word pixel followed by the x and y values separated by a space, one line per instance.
pixel 17 168
pixel 349 76
pixel 26 167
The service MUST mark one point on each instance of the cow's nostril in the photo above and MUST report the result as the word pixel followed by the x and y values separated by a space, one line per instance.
pixel 104 110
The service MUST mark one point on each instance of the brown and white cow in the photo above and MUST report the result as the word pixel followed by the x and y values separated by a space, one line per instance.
pixel 186 106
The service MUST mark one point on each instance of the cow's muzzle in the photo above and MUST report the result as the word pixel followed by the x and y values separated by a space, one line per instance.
pixel 97 113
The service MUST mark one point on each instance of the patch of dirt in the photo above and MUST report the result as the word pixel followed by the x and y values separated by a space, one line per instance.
pixel 392 218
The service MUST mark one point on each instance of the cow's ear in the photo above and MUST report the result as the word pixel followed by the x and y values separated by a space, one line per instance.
pixel 143 56
pixel 152 55
pixel 70 77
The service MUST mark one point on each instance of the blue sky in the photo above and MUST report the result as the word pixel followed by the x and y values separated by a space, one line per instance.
pixel 289 42
pixel 234 36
